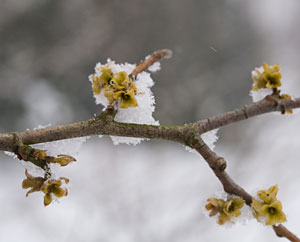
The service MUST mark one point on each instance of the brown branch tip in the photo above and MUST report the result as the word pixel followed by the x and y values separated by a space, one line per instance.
pixel 154 57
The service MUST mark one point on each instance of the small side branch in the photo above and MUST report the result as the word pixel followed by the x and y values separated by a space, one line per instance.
pixel 216 163
pixel 156 56
pixel 142 66
pixel 251 110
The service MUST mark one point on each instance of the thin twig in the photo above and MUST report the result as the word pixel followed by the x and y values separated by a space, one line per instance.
pixel 248 111
pixel 156 56
pixel 282 231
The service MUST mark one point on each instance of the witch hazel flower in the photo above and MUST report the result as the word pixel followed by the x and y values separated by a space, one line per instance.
pixel 225 209
pixel 267 209
pixel 112 84
pixel 265 79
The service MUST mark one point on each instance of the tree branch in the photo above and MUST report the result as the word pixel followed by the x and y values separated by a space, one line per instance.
pixel 248 111
pixel 103 124
pixel 95 126
pixel 189 134
pixel 218 165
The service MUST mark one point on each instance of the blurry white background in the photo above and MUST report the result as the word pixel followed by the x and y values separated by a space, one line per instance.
pixel 154 191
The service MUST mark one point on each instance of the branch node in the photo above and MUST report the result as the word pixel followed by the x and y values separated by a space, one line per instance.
pixel 221 164
pixel 17 143
pixel 108 114
pixel 244 109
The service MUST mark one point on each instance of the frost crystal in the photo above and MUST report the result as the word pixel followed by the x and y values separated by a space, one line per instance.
pixel 189 149
pixel 67 146
pixel 260 94
pixel 154 67
pixel 257 69
pixel 142 114
pixel 210 138
pixel 34 170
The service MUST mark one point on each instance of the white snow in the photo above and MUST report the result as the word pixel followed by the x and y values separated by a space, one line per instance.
pixel 210 138
pixel 145 99
pixel 258 95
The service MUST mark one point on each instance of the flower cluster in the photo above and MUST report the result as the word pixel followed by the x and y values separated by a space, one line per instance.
pixel 48 187
pixel 54 187
pixel 226 209
pixel 116 87
pixel 266 77
pixel 266 81
pixel 133 99
pixel 269 208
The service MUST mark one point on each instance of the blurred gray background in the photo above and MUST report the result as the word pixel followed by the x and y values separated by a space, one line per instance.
pixel 154 191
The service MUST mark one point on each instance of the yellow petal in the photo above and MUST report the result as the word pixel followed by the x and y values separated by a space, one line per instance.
pixel 47 199
pixel 65 179
pixel 109 94
pixel 27 174
pixel 58 191
pixel 213 212
pixel 96 84
pixel 223 218
pixel 208 206
pixel 268 196
pixel 64 160
pixel 106 75
pixel 128 100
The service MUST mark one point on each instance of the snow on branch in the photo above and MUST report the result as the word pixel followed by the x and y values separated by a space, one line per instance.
pixel 124 91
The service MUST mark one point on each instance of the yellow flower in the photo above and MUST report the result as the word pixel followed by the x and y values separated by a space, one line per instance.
pixel 226 210
pixel 268 196
pixel 269 78
pixel 270 208
pixel 233 206
pixel 256 205
pixel 102 81
pixel 117 86
pixel 106 75
pixel 215 205
pixel 35 183
pixel 127 98
pixel 54 187
pixel 47 187
pixel 120 81
pixel 273 213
